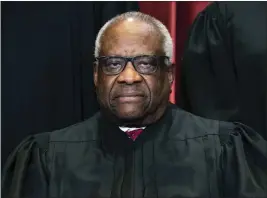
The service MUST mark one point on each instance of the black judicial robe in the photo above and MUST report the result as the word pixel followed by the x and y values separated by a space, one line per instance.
pixel 182 155
pixel 224 66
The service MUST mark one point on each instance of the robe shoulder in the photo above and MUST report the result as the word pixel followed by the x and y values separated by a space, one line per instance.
pixel 26 172
pixel 241 151
pixel 193 126
pixel 80 132
pixel 187 125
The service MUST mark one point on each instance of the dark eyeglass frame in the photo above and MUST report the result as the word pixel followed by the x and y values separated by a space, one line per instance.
pixel 131 59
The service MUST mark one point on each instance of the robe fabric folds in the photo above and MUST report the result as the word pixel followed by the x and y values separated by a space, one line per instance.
pixel 224 66
pixel 47 64
pixel 182 155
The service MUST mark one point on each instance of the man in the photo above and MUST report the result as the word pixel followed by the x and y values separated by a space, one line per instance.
pixel 138 145
pixel 224 68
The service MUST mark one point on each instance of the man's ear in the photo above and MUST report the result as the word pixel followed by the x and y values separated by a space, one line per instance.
pixel 171 74
pixel 96 74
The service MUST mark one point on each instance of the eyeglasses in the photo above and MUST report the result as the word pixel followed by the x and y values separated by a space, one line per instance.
pixel 145 64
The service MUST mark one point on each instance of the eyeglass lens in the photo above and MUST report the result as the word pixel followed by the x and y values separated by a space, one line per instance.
pixel 143 64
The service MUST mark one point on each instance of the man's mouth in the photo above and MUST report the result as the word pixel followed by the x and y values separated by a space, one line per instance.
pixel 127 98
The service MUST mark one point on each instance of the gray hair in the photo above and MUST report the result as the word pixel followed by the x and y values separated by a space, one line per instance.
pixel 167 40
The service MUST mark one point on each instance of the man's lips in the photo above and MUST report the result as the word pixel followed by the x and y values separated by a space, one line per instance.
pixel 124 98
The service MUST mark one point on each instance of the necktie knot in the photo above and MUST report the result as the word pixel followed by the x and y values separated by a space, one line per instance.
pixel 133 134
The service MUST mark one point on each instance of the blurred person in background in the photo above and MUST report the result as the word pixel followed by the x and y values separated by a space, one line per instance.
pixel 224 66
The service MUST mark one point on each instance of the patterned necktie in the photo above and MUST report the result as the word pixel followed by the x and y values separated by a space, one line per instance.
pixel 134 133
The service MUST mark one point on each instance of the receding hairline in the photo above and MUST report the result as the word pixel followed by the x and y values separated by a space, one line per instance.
pixel 114 30
pixel 154 29
pixel 134 15
pixel 158 28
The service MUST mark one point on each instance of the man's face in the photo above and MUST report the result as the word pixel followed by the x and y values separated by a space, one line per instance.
pixel 130 95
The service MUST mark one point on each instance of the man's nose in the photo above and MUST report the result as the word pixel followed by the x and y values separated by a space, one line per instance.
pixel 129 75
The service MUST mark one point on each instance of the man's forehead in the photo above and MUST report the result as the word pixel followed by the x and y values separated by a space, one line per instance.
pixel 129 52
pixel 131 47
pixel 132 29
pixel 131 38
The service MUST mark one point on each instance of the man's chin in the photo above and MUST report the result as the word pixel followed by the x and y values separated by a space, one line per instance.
pixel 129 115
pixel 129 112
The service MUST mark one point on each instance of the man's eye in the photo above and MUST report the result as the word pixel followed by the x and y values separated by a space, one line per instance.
pixel 114 65
pixel 144 64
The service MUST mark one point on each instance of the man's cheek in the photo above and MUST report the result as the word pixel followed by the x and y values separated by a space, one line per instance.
pixel 102 94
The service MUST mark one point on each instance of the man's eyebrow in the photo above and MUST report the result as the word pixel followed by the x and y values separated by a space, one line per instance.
pixel 139 54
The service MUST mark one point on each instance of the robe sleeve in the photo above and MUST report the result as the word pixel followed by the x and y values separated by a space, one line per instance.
pixel 244 163
pixel 25 172
pixel 208 73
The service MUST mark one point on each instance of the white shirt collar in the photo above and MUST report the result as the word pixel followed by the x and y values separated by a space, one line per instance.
pixel 124 129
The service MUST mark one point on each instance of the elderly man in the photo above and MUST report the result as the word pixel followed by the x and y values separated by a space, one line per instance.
pixel 138 145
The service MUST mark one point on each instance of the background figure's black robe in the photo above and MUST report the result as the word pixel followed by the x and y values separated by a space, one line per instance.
pixel 181 156
pixel 47 71
pixel 224 68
